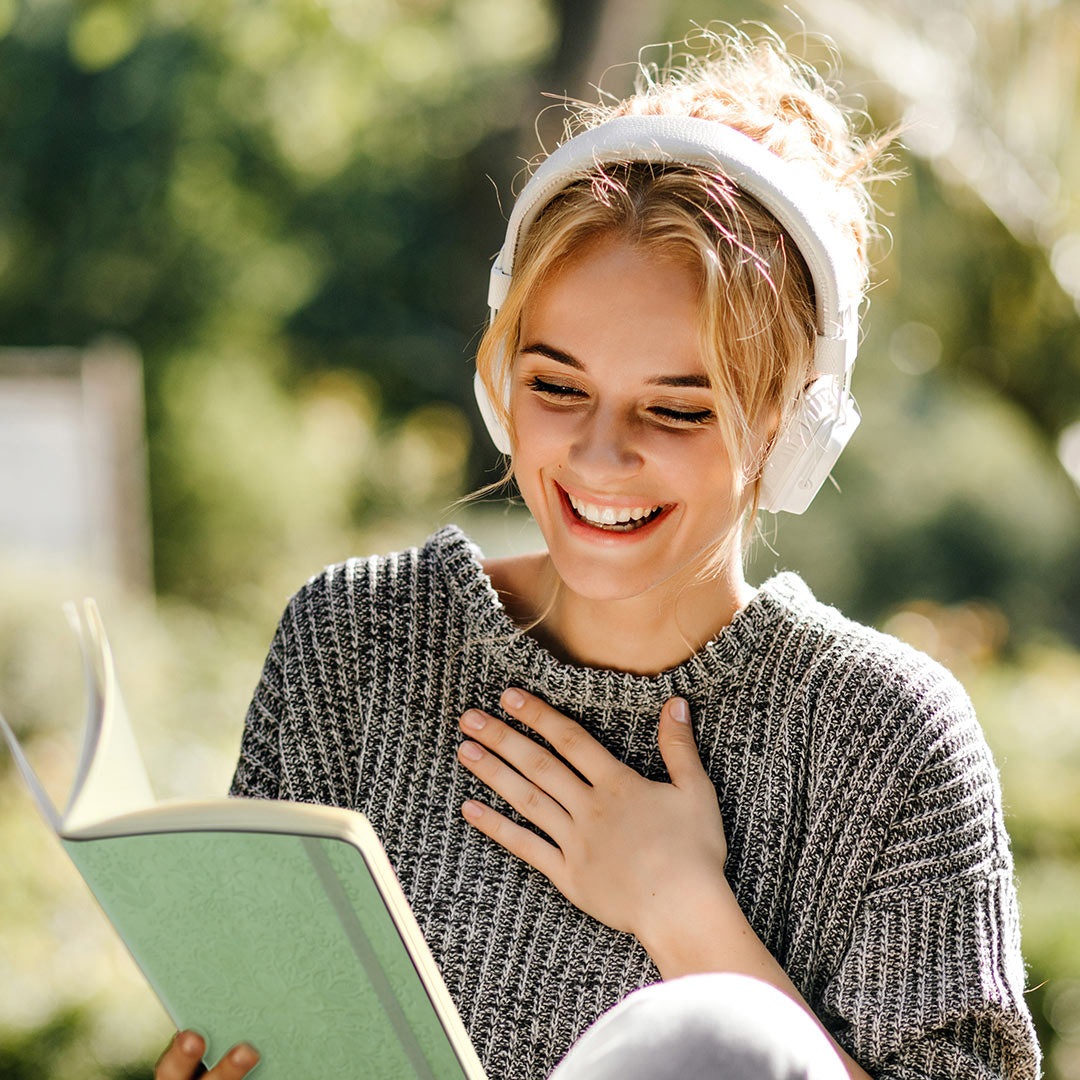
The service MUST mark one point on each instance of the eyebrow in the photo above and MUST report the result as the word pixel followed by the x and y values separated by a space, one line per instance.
pixel 561 357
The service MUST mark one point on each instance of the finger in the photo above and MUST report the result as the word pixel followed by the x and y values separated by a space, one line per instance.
pixel 182 1060
pixel 570 739
pixel 677 745
pixel 526 845
pixel 182 1057
pixel 238 1062
pixel 530 759
pixel 522 794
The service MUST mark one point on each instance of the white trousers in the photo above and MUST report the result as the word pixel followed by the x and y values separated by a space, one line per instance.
pixel 712 1027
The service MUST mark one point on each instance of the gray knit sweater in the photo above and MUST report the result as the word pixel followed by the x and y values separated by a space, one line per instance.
pixel 860 803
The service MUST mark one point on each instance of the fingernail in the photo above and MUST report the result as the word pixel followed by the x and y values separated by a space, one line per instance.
pixel 680 710
pixel 513 699
pixel 244 1055
pixel 473 720
pixel 471 751
pixel 471 810
pixel 190 1043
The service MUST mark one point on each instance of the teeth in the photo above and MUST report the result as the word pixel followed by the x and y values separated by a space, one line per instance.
pixel 607 515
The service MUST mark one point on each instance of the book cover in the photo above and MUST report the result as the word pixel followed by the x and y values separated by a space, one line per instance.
pixel 279 924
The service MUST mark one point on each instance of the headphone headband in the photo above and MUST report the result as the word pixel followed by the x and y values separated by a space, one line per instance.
pixel 826 415
pixel 687 140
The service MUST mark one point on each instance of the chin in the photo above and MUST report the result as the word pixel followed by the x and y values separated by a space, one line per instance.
pixel 604 587
pixel 606 577
pixel 603 579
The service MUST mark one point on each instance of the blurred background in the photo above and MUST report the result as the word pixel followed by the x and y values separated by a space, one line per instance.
pixel 243 259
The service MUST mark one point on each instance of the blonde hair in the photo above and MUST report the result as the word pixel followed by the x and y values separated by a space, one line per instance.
pixel 758 323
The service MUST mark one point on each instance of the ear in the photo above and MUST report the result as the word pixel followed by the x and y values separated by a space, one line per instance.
pixel 766 428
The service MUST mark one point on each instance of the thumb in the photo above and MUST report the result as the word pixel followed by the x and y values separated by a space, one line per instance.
pixel 676 741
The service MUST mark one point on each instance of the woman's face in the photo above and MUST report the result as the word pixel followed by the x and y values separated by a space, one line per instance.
pixel 618 454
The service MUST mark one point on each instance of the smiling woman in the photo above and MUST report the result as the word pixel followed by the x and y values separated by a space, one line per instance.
pixel 789 824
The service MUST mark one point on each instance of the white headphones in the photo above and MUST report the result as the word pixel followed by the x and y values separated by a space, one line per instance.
pixel 826 413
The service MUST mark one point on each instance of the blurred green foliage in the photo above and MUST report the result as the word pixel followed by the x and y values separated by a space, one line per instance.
pixel 255 193
pixel 32 1055
pixel 284 204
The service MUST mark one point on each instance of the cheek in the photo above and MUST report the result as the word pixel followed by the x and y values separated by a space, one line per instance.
pixel 696 464
pixel 701 476
pixel 538 446
pixel 541 436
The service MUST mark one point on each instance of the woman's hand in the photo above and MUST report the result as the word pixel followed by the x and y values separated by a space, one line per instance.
pixel 635 854
pixel 182 1060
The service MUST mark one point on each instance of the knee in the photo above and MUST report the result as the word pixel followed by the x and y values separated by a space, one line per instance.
pixel 716 1025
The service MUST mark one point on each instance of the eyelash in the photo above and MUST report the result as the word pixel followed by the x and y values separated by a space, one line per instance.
pixel 542 386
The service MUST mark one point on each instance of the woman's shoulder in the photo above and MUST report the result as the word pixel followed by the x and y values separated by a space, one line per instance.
pixel 858 673
pixel 832 639
pixel 447 568
pixel 896 731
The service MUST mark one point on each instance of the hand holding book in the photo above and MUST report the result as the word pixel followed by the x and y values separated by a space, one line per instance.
pixel 182 1060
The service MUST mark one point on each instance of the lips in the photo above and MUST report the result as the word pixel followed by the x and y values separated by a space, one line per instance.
pixel 589 518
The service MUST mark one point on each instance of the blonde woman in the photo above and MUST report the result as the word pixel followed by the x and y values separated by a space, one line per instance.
pixel 654 821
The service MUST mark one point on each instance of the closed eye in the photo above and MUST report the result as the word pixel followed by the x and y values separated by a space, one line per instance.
pixel 542 386
pixel 663 412
pixel 699 416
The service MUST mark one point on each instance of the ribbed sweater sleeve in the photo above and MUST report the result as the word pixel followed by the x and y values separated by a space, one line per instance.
pixel 258 768
pixel 929 986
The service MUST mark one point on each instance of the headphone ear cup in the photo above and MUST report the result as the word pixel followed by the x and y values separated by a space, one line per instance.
pixel 807 449
pixel 499 435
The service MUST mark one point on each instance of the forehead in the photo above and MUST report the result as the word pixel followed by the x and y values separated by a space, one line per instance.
pixel 615 300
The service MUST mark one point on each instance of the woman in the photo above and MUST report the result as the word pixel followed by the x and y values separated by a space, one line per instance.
pixel 665 772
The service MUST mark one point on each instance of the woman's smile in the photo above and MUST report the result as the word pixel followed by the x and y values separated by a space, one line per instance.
pixel 604 517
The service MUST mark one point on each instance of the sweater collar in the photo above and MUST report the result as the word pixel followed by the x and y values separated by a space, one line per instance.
pixel 779 600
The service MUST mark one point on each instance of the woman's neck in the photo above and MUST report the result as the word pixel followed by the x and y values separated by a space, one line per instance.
pixel 642 635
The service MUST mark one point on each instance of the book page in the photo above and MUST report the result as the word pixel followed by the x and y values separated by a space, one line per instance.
pixel 111 778
pixel 41 797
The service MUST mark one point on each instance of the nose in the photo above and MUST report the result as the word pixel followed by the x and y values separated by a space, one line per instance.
pixel 604 447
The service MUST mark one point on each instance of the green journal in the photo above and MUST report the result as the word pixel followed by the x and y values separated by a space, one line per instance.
pixel 279 924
